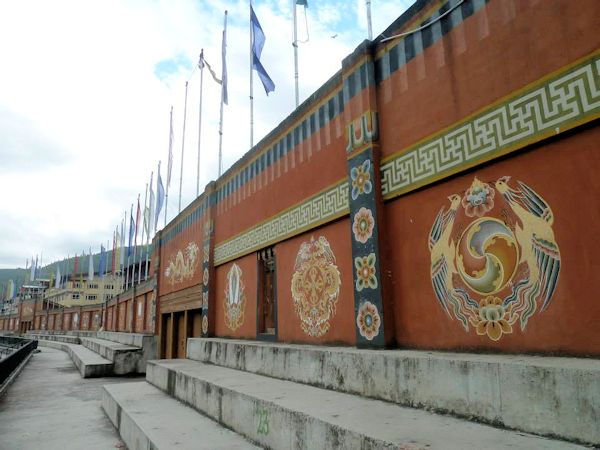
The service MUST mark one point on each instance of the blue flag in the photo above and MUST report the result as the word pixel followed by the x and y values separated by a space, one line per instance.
pixel 160 197
pixel 258 42
pixel 102 264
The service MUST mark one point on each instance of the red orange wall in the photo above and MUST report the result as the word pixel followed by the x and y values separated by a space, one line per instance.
pixel 499 49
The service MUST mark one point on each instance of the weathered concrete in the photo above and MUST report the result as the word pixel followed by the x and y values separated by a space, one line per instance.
pixel 125 358
pixel 543 395
pixel 69 339
pixel 64 332
pixel 147 418
pixel 147 342
pixel 89 363
pixel 282 414
pixel 50 407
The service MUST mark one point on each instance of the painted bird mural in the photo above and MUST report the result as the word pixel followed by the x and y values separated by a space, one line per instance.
pixel 539 250
pixel 443 253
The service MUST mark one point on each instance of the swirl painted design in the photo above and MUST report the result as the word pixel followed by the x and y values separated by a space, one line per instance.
pixel 487 255
pixel 495 261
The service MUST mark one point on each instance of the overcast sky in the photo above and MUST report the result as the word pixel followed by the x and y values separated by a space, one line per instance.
pixel 85 93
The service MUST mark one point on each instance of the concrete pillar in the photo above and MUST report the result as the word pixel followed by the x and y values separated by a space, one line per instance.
pixel 208 269
pixel 373 310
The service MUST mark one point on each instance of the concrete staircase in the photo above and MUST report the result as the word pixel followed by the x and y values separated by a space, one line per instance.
pixel 88 363
pixel 103 353
pixel 295 396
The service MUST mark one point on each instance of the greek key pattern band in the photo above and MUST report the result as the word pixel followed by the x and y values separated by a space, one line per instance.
pixel 320 208
pixel 550 107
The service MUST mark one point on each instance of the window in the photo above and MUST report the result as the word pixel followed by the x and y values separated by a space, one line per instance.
pixel 108 286
pixel 92 286
pixel 74 296
pixel 91 297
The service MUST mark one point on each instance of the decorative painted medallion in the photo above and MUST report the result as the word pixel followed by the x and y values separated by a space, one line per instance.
pixel 205 276
pixel 366 277
pixel 235 298
pixel 315 286
pixel 204 324
pixel 368 320
pixel 363 224
pixel 494 258
pixel 183 266
pixel 361 179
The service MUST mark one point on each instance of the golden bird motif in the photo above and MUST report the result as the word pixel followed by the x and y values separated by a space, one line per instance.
pixel 443 253
pixel 536 238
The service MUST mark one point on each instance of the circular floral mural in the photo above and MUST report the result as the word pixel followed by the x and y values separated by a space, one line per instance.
pixel 368 320
pixel 315 286
pixel 362 225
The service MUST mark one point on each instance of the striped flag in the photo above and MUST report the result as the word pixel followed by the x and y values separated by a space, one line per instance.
pixel 258 42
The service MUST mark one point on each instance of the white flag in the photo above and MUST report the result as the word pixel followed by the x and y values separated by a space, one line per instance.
pixel 91 267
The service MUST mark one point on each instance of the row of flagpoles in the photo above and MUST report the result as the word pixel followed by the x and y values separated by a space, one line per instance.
pixel 147 219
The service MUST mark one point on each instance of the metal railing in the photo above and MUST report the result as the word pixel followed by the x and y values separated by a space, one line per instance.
pixel 13 351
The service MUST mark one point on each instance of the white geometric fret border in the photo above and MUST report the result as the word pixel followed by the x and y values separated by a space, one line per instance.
pixel 313 212
pixel 569 97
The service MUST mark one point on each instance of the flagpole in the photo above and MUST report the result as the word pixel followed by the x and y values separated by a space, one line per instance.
pixel 183 143
pixel 169 164
pixel 127 270
pixel 143 230
pixel 295 45
pixel 122 255
pixel 251 82
pixel 106 259
pixel 137 220
pixel 201 64
pixel 223 87
pixel 369 25
pixel 150 220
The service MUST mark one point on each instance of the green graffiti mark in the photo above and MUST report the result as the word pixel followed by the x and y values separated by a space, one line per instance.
pixel 263 422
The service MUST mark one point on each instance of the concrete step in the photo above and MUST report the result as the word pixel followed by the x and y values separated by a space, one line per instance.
pixel 147 342
pixel 282 414
pixel 542 395
pixel 55 337
pixel 147 418
pixel 126 358
pixel 65 332
pixel 89 363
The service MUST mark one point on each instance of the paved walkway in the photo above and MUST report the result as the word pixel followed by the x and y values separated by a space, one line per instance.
pixel 51 407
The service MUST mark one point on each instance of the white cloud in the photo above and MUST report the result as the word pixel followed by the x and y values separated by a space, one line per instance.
pixel 81 98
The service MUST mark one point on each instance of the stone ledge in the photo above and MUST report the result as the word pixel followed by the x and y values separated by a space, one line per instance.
pixel 125 358
pixel 282 414
pixel 69 339
pixel 147 418
pixel 88 363
pixel 543 395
